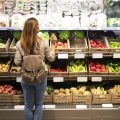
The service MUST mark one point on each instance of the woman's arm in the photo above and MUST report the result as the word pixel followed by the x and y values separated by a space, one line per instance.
pixel 18 56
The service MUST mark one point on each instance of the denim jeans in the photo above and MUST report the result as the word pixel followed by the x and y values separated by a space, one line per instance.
pixel 33 96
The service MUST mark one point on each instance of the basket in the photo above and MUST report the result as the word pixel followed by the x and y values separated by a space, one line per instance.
pixel 78 45
pixel 101 99
pixel 62 99
pixel 48 99
pixel 115 98
pixel 82 99
pixel 104 41
pixel 113 40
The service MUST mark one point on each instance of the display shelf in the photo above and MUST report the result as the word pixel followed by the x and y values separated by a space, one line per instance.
pixel 70 28
pixel 4 54
pixel 66 114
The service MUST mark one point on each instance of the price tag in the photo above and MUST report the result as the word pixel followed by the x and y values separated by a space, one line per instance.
pixel 116 55
pixel 97 55
pixel 62 56
pixel 58 79
pixel 96 79
pixel 49 106
pixel 19 107
pixel 81 79
pixel 81 106
pixel 79 55
pixel 107 105
pixel 18 79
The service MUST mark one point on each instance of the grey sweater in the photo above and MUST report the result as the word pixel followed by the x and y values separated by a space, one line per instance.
pixel 44 50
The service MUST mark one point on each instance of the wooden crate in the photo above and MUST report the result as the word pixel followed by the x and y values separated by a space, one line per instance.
pixel 6 98
pixel 115 98
pixel 104 41
pixel 62 49
pixel 62 99
pixel 18 99
pixel 58 73
pixel 48 99
pixel 14 73
pixel 116 50
pixel 12 47
pixel 101 99
pixel 82 99
pixel 98 73
pixel 78 45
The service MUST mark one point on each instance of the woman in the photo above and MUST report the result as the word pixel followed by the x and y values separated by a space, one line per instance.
pixel 34 92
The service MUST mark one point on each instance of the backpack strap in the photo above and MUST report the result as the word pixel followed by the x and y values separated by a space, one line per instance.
pixel 20 52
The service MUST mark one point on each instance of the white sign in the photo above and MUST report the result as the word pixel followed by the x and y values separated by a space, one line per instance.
pixel 96 79
pixel 81 79
pixel 97 55
pixel 79 55
pixel 116 55
pixel 18 79
pixel 81 106
pixel 62 56
pixel 107 105
pixel 58 79
pixel 19 107
pixel 49 106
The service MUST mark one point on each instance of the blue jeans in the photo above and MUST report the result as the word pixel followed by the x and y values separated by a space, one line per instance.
pixel 33 96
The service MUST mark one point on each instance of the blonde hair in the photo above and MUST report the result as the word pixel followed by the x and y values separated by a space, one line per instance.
pixel 29 35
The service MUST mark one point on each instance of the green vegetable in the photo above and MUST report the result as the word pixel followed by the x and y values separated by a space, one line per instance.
pixel 79 34
pixel 17 35
pixel 49 89
pixel 44 35
pixel 64 35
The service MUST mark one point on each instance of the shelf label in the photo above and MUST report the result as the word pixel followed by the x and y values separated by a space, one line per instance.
pixel 97 55
pixel 96 79
pixel 58 79
pixel 18 79
pixel 81 79
pixel 62 56
pixel 19 107
pixel 81 106
pixel 79 55
pixel 116 55
pixel 49 106
pixel 107 105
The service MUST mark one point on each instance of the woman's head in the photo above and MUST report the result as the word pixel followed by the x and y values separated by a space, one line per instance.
pixel 29 34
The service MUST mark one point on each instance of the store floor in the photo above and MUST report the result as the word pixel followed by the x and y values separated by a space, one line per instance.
pixel 68 114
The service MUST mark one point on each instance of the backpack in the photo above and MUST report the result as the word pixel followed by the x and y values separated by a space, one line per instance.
pixel 33 68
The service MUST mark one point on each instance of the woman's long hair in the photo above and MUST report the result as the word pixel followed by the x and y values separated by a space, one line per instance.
pixel 29 35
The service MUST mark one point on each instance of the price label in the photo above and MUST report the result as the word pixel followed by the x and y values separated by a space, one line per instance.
pixel 79 55
pixel 58 79
pixel 116 55
pixel 62 56
pixel 96 79
pixel 97 55
pixel 107 105
pixel 81 106
pixel 82 79
pixel 19 107
pixel 18 79
pixel 49 106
